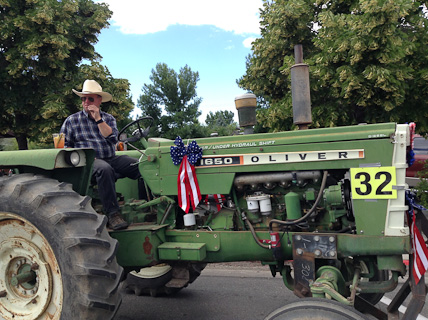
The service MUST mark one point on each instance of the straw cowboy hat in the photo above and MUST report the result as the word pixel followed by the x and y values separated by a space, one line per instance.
pixel 92 87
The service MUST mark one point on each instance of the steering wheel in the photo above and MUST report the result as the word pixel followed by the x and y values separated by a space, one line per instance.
pixel 138 133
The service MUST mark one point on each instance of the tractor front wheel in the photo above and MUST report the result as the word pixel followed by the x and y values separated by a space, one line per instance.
pixel 57 260
pixel 314 308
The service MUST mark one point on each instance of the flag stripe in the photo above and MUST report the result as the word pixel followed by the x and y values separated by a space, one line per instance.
pixel 187 185
pixel 219 201
pixel 195 193
pixel 420 252
pixel 182 198
pixel 416 272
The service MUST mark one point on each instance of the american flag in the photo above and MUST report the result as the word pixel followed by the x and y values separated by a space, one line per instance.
pixel 420 252
pixel 188 186
pixel 187 182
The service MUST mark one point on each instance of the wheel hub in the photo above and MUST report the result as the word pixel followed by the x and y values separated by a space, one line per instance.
pixel 23 277
pixel 30 280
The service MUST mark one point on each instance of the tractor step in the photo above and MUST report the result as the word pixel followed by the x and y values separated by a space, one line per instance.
pixel 177 283
pixel 180 277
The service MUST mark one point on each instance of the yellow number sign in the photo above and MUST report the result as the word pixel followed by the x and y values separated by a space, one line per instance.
pixel 373 183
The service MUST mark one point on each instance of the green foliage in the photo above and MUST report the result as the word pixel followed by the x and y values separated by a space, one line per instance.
pixel 220 118
pixel 367 61
pixel 171 99
pixel 188 131
pixel 221 122
pixel 41 45
pixel 422 186
pixel 8 144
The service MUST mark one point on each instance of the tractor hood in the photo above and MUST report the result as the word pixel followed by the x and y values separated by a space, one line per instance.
pixel 225 157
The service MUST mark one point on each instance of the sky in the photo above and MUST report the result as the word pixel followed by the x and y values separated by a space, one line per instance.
pixel 211 37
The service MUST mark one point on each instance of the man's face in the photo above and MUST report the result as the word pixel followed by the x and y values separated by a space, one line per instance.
pixel 91 100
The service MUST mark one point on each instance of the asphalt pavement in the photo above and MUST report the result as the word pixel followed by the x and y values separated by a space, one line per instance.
pixel 225 291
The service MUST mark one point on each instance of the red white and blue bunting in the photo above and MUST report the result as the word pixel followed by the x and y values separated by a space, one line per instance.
pixel 187 182
pixel 420 250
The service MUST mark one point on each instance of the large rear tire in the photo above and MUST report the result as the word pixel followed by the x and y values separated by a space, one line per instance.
pixel 57 260
pixel 313 308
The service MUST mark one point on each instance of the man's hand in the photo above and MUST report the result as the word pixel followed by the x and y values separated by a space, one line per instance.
pixel 94 111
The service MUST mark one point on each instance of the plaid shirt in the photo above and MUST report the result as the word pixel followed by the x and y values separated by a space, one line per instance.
pixel 80 131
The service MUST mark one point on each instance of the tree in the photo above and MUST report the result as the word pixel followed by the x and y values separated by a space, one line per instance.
pixel 220 118
pixel 221 122
pixel 366 57
pixel 41 45
pixel 174 94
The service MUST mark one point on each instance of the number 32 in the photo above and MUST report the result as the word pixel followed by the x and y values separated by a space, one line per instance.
pixel 373 183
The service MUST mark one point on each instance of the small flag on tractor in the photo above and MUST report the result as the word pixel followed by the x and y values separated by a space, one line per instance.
pixel 420 252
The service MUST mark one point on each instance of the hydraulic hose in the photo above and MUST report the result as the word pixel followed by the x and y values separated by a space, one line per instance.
pixel 253 232
pixel 317 200
pixel 288 223
pixel 250 226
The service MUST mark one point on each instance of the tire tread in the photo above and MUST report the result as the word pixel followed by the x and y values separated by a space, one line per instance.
pixel 83 248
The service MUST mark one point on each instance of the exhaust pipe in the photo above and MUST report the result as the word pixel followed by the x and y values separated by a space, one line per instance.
pixel 300 90
pixel 300 94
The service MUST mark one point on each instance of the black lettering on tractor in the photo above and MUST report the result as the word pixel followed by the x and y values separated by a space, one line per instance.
pixel 218 161
pixel 365 177
pixel 343 154
pixel 387 180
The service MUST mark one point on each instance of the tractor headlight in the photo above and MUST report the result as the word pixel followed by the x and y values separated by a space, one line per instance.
pixel 72 158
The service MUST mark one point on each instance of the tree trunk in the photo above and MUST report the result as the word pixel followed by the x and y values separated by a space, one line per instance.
pixel 22 142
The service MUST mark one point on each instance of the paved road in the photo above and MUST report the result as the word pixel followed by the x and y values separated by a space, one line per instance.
pixel 218 294
pixel 222 292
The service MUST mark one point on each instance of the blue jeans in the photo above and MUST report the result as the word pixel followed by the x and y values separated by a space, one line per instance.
pixel 105 173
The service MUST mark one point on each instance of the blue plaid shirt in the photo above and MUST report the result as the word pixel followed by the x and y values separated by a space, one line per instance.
pixel 80 131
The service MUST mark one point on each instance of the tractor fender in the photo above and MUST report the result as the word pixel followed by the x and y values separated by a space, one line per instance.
pixel 66 165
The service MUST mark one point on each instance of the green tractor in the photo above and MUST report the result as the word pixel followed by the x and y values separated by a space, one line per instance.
pixel 325 209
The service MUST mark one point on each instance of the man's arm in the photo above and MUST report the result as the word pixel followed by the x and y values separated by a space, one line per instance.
pixel 110 122
pixel 104 128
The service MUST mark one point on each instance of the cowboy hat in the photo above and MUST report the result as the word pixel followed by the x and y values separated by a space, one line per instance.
pixel 92 87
